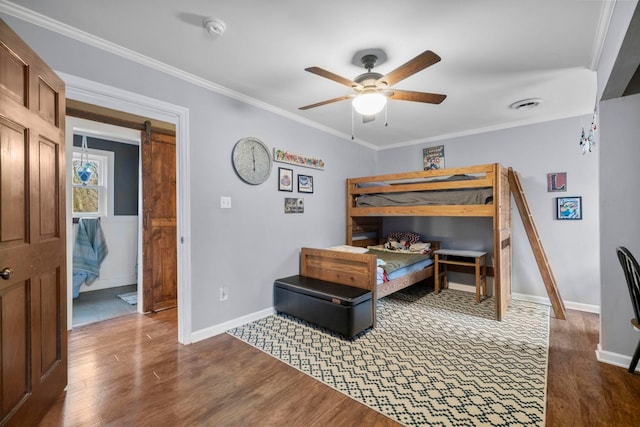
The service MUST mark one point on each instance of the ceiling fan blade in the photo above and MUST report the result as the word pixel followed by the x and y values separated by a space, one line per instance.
pixel 336 78
pixel 328 101
pixel 407 95
pixel 420 62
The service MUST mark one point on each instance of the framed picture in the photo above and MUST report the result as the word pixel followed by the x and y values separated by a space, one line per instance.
pixel 285 179
pixel 569 207
pixel 433 157
pixel 556 181
pixel 305 184
pixel 293 205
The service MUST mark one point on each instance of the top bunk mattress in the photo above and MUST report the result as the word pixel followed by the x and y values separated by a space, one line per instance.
pixel 464 196
pixel 467 196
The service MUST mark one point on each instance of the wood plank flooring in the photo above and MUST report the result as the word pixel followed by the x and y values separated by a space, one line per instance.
pixel 132 371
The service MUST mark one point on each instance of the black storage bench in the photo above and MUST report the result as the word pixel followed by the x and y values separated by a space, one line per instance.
pixel 346 310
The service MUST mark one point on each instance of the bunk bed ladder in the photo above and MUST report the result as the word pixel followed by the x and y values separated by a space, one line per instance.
pixel 536 245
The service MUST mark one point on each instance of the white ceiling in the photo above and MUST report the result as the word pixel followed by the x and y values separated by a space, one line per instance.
pixel 494 52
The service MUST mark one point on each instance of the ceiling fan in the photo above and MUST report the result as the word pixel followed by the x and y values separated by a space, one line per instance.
pixel 373 89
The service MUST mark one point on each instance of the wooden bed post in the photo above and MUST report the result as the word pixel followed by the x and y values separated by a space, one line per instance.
pixel 501 241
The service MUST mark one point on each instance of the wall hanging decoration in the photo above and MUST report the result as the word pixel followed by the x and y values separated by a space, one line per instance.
pixel 293 205
pixel 85 169
pixel 283 156
pixel 556 181
pixel 588 140
pixel 433 157
pixel 285 179
pixel 569 207
pixel 305 184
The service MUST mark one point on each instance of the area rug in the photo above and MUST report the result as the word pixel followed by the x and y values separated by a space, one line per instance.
pixel 130 297
pixel 432 360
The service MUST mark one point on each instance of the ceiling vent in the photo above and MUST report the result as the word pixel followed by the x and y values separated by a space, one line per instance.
pixel 526 104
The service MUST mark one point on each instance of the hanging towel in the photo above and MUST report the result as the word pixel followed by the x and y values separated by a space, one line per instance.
pixel 89 250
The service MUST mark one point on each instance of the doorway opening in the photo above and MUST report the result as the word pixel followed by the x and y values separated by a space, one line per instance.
pixel 105 206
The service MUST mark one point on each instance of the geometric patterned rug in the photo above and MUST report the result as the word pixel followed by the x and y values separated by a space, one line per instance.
pixel 436 360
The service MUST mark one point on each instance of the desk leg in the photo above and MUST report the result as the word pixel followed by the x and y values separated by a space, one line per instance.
pixel 484 277
pixel 436 279
pixel 478 284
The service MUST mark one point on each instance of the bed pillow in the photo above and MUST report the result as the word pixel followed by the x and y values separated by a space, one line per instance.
pixel 403 236
pixel 348 248
pixel 420 247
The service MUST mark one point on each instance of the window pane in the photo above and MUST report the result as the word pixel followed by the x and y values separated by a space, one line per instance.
pixel 85 200
pixel 93 180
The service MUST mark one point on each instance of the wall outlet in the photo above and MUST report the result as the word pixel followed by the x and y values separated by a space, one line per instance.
pixel 224 294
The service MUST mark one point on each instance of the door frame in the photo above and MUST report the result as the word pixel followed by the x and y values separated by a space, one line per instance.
pixel 118 99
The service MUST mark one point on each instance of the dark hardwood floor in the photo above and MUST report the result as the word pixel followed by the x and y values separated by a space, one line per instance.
pixel 131 371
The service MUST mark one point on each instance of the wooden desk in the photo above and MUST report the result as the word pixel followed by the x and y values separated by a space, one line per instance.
pixel 443 257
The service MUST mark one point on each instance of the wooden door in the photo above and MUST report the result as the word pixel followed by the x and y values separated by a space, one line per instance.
pixel 33 319
pixel 159 235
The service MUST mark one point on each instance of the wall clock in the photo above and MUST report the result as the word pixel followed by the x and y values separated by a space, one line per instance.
pixel 251 160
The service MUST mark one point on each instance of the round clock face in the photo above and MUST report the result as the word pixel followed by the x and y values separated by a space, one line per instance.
pixel 251 160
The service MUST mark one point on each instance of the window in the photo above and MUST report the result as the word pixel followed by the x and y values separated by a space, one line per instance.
pixel 90 197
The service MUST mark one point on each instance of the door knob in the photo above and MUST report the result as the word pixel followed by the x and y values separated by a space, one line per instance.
pixel 6 273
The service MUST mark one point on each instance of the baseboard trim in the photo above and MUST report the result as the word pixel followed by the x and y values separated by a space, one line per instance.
pixel 109 282
pixel 588 308
pixel 220 328
pixel 578 306
pixel 614 359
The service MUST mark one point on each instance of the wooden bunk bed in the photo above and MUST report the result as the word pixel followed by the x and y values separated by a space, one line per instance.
pixel 364 224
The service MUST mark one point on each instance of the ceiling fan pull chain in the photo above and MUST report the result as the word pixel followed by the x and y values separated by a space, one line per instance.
pixel 352 119
pixel 386 115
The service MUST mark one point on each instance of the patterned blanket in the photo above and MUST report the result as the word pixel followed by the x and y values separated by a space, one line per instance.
pixel 394 261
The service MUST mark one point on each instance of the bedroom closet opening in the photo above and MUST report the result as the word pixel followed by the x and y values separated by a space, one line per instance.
pixel 111 226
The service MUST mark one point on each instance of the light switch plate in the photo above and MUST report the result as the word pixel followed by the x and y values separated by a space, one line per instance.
pixel 225 202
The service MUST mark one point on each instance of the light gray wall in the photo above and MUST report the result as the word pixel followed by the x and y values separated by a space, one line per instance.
pixel 244 248
pixel 532 151
pixel 620 150
pixel 619 207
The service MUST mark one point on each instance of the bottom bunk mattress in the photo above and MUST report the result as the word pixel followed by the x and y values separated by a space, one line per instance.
pixel 391 264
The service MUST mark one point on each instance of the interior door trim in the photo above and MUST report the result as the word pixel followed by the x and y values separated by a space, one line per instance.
pixel 118 99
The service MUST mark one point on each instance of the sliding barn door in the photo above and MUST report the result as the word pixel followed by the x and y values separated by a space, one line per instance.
pixel 159 235
pixel 33 319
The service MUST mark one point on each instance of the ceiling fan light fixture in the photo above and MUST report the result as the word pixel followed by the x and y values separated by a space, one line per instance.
pixel 369 103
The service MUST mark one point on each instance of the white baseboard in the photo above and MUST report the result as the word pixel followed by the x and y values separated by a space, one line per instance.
pixel 109 282
pixel 218 329
pixel 614 358
pixel 567 304
pixel 535 299
pixel 214 330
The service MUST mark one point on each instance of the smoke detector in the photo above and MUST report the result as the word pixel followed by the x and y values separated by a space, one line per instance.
pixel 214 26
pixel 526 104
